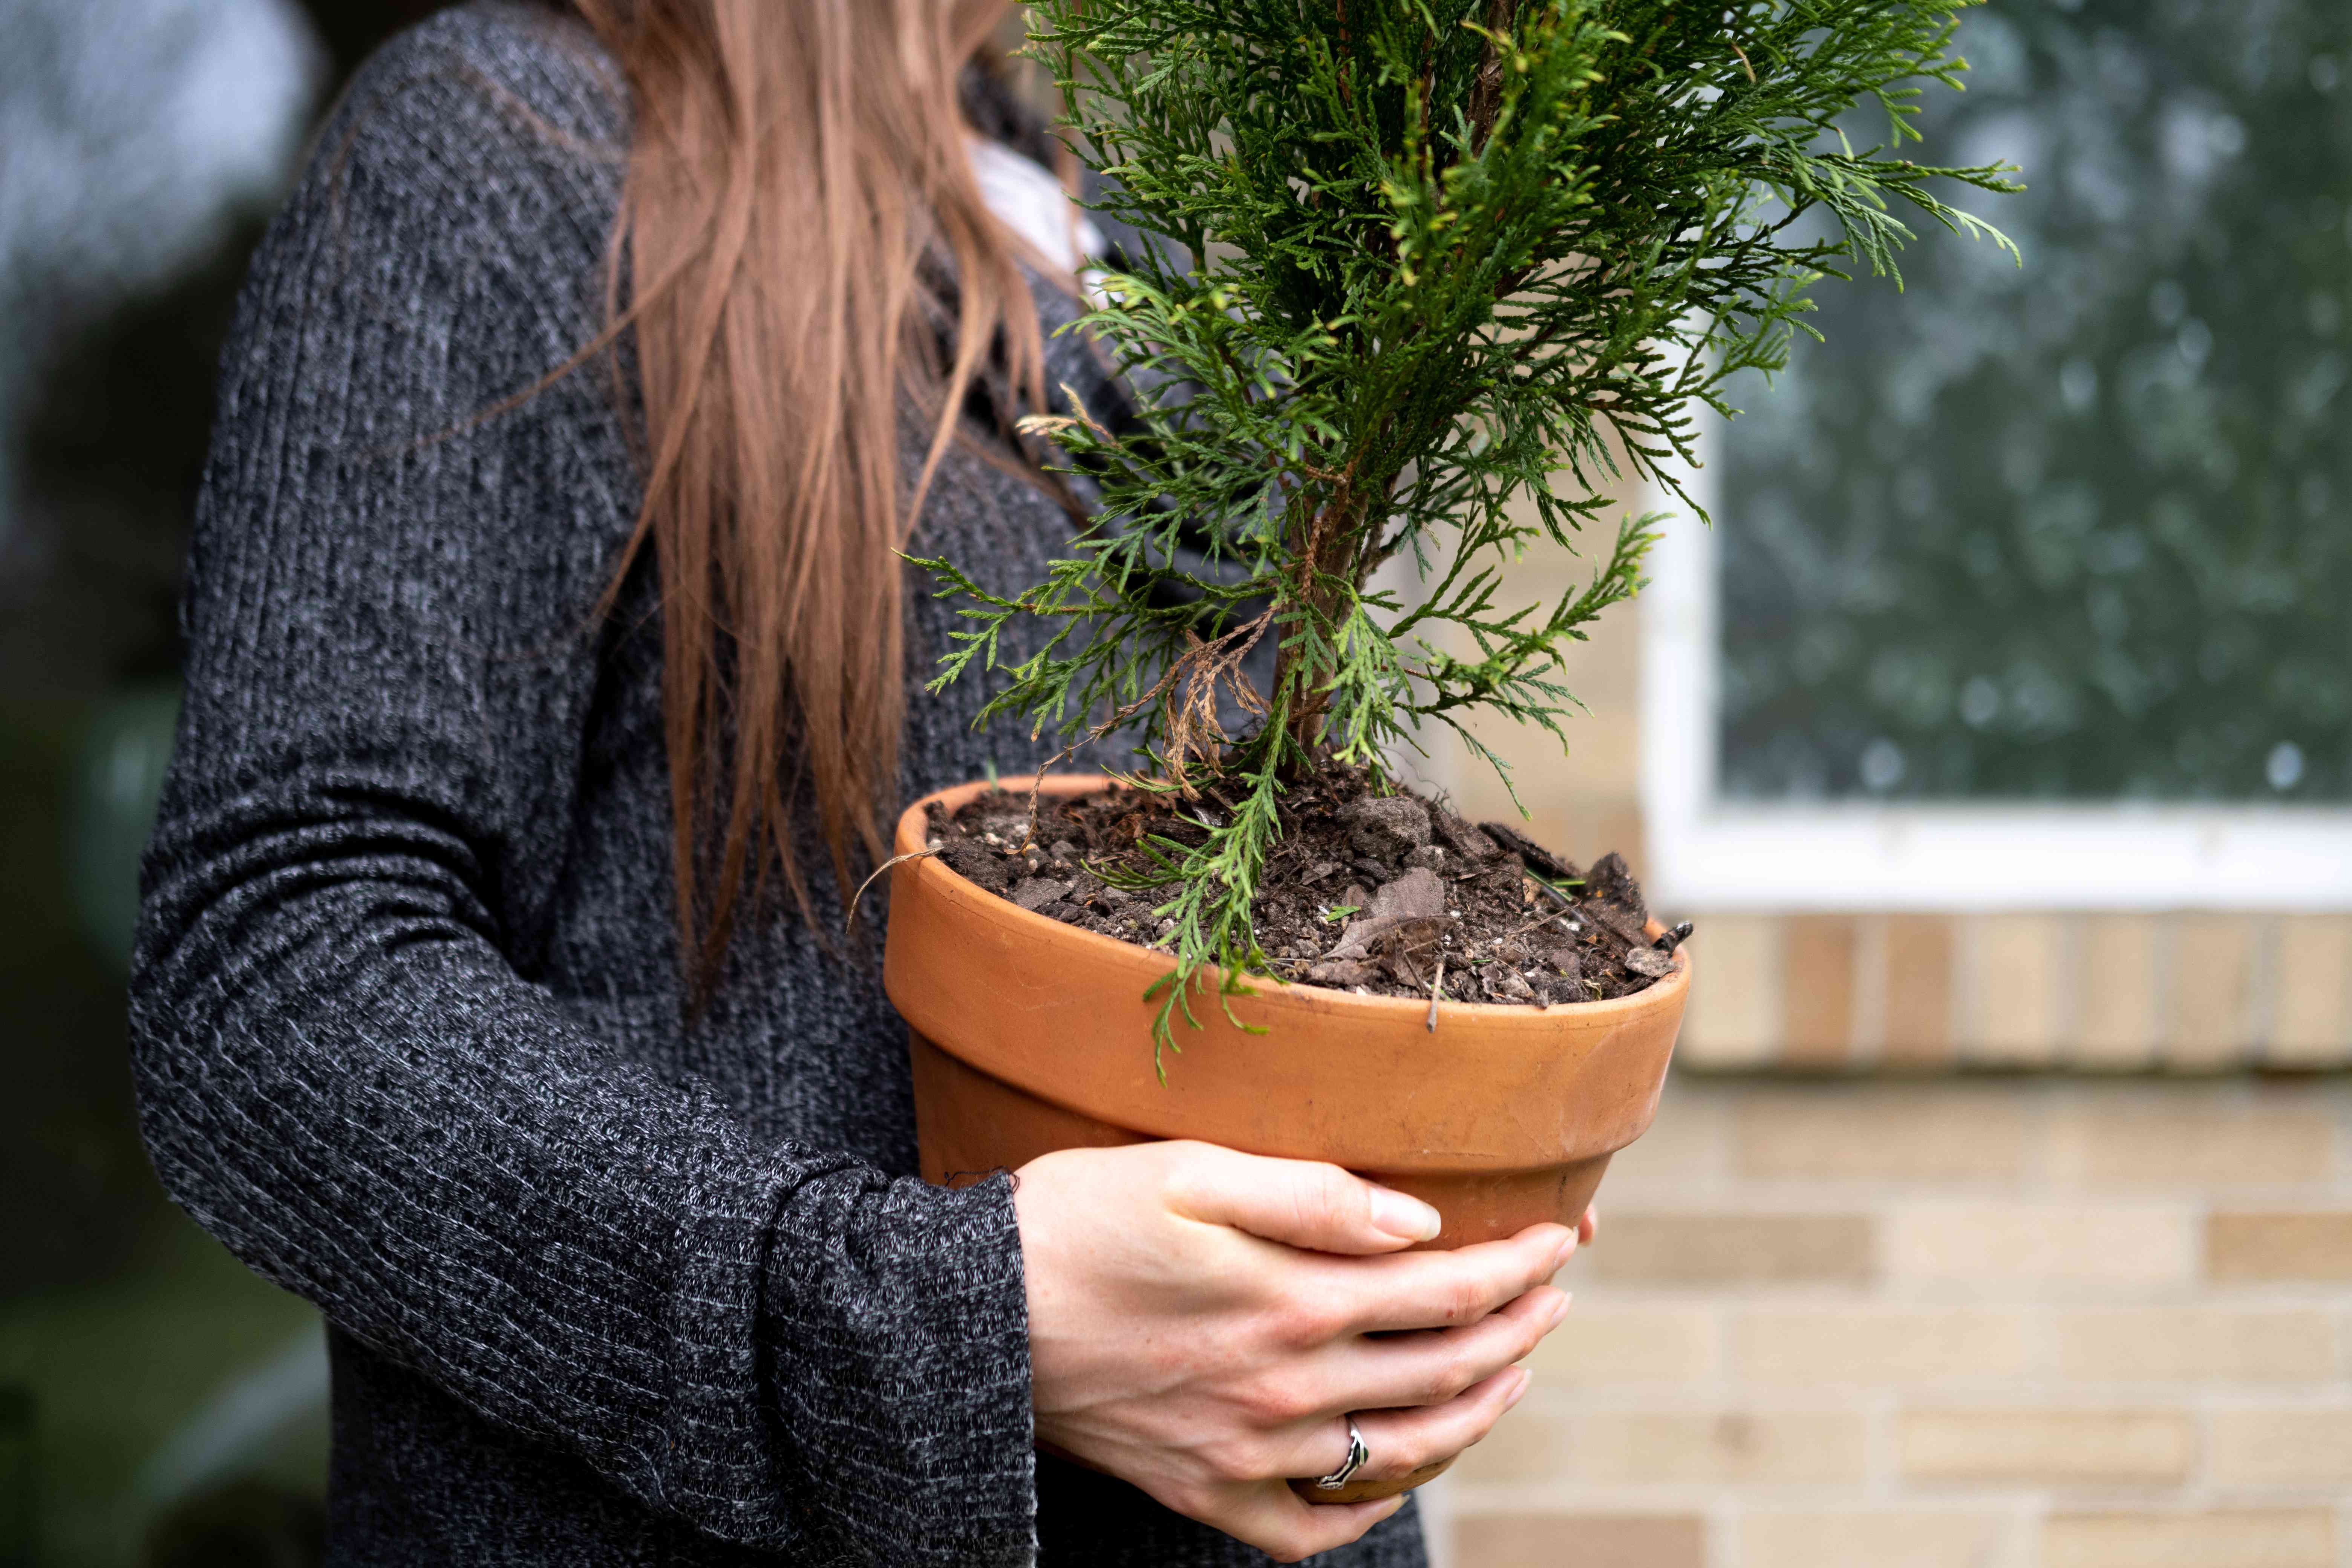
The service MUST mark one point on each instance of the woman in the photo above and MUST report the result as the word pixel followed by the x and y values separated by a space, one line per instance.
pixel 539 706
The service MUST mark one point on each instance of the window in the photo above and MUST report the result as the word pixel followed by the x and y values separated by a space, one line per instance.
pixel 2034 587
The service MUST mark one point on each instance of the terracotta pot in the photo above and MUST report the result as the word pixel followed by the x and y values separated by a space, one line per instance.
pixel 1029 1035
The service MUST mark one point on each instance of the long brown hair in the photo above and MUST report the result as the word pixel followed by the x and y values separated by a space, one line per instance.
pixel 809 263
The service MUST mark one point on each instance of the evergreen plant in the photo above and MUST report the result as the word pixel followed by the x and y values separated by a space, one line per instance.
pixel 1439 271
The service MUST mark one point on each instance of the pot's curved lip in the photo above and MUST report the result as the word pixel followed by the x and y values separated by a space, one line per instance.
pixel 910 840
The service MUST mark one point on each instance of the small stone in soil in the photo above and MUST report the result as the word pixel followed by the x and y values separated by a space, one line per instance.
pixel 1343 972
pixel 1394 935
pixel 1465 840
pixel 1386 828
pixel 1649 962
pixel 1623 924
pixel 1510 985
pixel 1038 892
pixel 1610 880
pixel 1418 893
pixel 1480 918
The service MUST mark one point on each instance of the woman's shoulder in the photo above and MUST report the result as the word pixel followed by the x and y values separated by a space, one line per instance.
pixel 445 244
pixel 522 55
pixel 476 113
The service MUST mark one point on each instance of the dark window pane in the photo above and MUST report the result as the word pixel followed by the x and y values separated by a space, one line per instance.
pixel 2081 531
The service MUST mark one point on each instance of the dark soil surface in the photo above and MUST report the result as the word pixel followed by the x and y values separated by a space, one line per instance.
pixel 1383 895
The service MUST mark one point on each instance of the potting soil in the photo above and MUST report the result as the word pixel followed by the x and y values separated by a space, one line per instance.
pixel 1383 895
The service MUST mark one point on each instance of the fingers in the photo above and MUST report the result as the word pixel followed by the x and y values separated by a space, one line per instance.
pixel 1404 1441
pixel 1589 1227
pixel 1400 1442
pixel 1299 1203
pixel 1274 1520
pixel 1428 1369
pixel 1444 1289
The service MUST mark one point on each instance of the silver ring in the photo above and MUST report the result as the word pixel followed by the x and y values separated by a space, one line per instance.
pixel 1358 1457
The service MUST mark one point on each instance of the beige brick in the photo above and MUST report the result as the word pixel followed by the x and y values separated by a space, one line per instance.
pixel 2211 973
pixel 2021 1241
pixel 1733 1016
pixel 2311 1002
pixel 2299 1538
pixel 1525 1446
pixel 1817 998
pixel 1628 1344
pixel 2250 1246
pixel 2046 1446
pixel 2117 1023
pixel 2182 1344
pixel 1681 1153
pixel 1804 1346
pixel 1580 1540
pixel 1716 1448
pixel 1603 758
pixel 2199 1144
pixel 1909 1538
pixel 1723 1248
pixel 1844 1134
pixel 2281 1447
pixel 1918 1030
pixel 2018 971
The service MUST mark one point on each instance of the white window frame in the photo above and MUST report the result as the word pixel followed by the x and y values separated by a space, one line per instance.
pixel 1706 852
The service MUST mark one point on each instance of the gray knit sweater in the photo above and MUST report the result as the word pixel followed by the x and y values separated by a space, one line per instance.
pixel 603 1287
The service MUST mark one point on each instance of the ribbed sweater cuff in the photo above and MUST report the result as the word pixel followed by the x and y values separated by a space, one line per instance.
pixel 898 1316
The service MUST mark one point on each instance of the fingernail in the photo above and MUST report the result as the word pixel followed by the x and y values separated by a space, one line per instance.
pixel 1526 1379
pixel 1559 1312
pixel 1567 1250
pixel 1401 1215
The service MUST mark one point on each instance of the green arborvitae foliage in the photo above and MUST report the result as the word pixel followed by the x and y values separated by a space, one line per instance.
pixel 1441 271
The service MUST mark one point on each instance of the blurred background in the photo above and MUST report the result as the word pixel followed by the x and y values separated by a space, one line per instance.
pixel 158 1404
pixel 1977 1231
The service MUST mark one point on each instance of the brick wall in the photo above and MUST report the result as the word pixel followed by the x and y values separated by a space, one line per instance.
pixel 2105 992
pixel 2037 1324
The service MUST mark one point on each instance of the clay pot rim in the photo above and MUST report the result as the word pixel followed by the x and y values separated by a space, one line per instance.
pixel 910 838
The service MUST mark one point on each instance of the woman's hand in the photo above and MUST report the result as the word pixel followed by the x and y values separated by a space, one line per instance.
pixel 1198 1322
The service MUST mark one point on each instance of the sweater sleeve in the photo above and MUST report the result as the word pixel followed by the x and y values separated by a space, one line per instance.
pixel 342 1074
